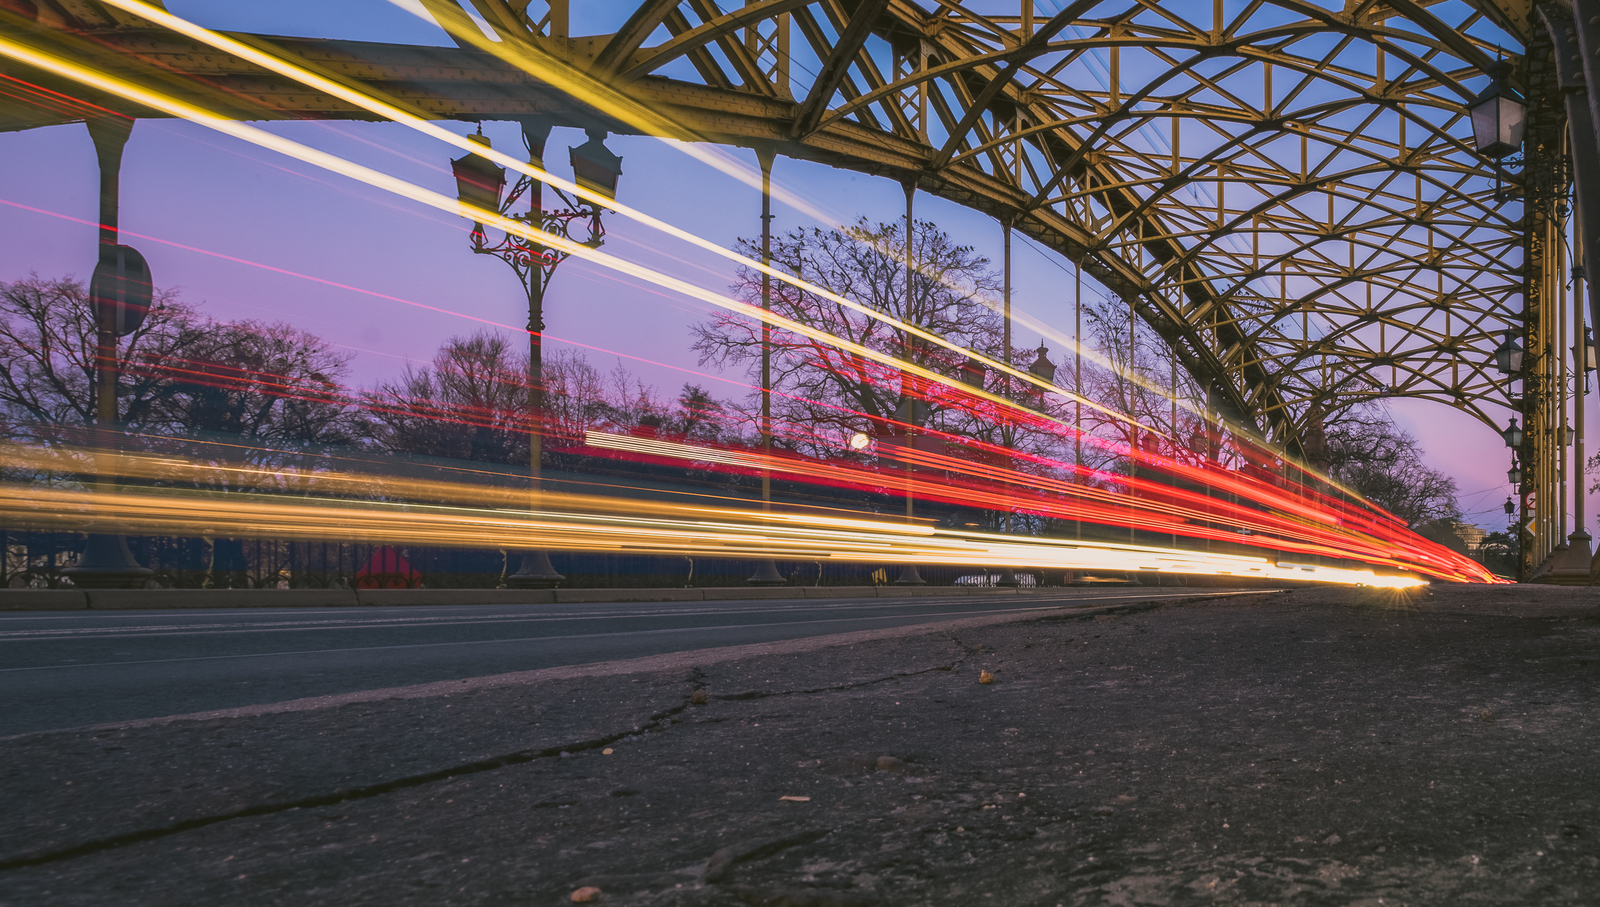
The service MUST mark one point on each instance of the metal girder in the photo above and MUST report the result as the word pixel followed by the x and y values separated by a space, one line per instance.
pixel 979 105
pixel 628 39
pixel 703 34
pixel 835 67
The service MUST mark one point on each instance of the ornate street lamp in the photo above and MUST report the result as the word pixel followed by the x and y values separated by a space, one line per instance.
pixel 1508 356
pixel 1510 507
pixel 1042 368
pixel 480 183
pixel 1514 474
pixel 1584 353
pixel 1513 434
pixel 1499 115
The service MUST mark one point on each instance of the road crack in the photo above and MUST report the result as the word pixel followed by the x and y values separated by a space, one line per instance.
pixel 658 722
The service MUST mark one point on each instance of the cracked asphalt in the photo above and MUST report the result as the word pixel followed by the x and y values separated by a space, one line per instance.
pixel 1322 746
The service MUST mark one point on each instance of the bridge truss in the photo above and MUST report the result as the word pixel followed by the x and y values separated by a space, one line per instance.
pixel 1286 191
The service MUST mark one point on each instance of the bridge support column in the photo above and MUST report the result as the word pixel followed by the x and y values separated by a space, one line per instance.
pixel 766 571
pixel 1545 177
pixel 1579 74
pixel 1008 577
pixel 107 562
pixel 909 575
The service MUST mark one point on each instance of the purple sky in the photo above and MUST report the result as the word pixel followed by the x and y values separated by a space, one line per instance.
pixel 186 185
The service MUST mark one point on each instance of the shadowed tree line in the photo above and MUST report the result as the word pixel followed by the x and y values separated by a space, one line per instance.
pixel 184 374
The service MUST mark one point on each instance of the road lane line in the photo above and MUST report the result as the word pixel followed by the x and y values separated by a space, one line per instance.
pixel 563 638
pixel 224 629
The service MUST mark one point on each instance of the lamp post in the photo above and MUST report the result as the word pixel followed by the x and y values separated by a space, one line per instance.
pixel 480 183
pixel 1499 117
pixel 767 570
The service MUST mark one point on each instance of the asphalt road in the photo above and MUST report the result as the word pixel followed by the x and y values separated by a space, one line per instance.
pixel 60 670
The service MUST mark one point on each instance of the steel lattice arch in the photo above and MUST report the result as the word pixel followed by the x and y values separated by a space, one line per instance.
pixel 1286 191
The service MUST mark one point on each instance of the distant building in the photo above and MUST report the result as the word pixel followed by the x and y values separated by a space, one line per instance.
pixel 1471 535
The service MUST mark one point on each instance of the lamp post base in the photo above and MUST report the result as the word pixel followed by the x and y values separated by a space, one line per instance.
pixel 535 572
pixel 910 577
pixel 1008 579
pixel 767 575
pixel 107 563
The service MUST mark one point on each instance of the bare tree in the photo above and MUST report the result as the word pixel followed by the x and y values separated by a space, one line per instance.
pixel 575 395
pixel 179 373
pixel 831 393
pixel 47 351
pixel 471 403
pixel 1131 373
pixel 266 381
pixel 1371 455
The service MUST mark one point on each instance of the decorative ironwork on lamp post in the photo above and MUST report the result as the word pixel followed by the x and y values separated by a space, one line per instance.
pixel 480 183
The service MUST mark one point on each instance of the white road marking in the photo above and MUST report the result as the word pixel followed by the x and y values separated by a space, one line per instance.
pixel 567 637
pixel 457 619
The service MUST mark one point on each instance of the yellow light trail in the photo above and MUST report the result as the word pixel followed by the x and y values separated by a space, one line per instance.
pixel 367 100
pixel 533 61
pixel 383 181
pixel 603 97
pixel 606 99
pixel 397 186
pixel 642 527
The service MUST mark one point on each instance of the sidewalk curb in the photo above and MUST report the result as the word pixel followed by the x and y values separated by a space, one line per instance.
pixel 43 600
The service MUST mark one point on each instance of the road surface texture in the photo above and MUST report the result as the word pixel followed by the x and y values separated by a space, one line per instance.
pixel 76 668
pixel 1318 747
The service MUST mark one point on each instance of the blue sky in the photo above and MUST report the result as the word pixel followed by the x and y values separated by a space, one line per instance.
pixel 186 185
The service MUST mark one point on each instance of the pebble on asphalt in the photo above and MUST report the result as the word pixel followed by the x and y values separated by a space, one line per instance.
pixel 585 894
pixel 698 697
pixel 986 677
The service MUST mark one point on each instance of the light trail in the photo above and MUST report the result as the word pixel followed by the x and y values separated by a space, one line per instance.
pixel 464 28
pixel 438 201
pixel 1370 543
pixel 389 110
pixel 1146 505
pixel 400 187
pixel 590 523
pixel 368 101
pixel 1289 523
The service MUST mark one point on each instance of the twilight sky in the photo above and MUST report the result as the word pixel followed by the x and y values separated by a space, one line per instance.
pixel 245 233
